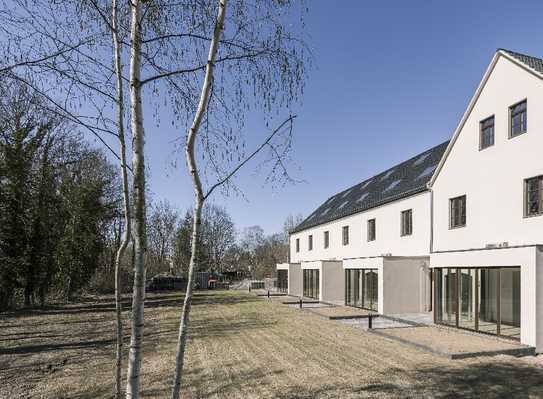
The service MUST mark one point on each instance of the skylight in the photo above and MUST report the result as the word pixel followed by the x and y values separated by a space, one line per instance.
pixel 346 193
pixel 421 159
pixel 342 205
pixel 366 183
pixel 427 172
pixel 325 211
pixel 362 197
pixel 311 217
pixel 392 185
pixel 387 175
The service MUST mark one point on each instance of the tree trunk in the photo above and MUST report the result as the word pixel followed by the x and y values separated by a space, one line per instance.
pixel 138 166
pixel 199 197
pixel 126 201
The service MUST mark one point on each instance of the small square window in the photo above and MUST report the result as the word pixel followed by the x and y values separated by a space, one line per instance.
pixel 407 223
pixel 486 133
pixel 533 194
pixel 518 115
pixel 371 230
pixel 297 245
pixel 310 243
pixel 345 235
pixel 326 239
pixel 457 212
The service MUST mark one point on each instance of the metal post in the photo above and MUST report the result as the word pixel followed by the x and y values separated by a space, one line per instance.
pixel 268 294
pixel 249 286
pixel 301 300
pixel 370 321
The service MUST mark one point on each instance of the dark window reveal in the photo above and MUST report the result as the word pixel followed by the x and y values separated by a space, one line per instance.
pixel 487 133
pixel 534 196
pixel 457 212
pixel 519 118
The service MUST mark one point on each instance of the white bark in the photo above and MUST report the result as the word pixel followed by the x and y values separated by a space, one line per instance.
pixel 138 166
pixel 198 195
pixel 126 200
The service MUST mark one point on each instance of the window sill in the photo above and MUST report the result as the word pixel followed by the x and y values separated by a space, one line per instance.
pixel 457 227
pixel 510 136
pixel 533 216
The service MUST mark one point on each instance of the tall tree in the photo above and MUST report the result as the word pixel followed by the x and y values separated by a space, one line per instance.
pixel 275 85
pixel 163 220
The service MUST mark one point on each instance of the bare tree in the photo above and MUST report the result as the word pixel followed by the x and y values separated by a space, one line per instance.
pixel 138 168
pixel 163 222
pixel 200 195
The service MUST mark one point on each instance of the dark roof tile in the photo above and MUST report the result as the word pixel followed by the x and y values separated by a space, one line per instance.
pixel 403 180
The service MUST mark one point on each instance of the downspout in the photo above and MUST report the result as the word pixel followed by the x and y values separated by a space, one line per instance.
pixel 431 219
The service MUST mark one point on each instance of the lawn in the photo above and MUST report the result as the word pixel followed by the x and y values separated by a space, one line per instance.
pixel 240 346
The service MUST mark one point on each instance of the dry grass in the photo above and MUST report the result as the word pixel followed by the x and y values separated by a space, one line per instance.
pixel 240 347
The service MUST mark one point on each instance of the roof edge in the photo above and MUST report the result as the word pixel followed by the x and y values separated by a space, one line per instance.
pixel 499 53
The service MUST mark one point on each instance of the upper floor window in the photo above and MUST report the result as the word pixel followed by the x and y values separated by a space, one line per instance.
pixel 486 135
pixel 533 194
pixel 297 245
pixel 326 239
pixel 457 212
pixel 518 114
pixel 407 223
pixel 371 230
pixel 345 235
pixel 310 242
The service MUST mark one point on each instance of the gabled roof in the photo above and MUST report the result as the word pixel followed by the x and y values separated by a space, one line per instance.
pixel 530 64
pixel 403 180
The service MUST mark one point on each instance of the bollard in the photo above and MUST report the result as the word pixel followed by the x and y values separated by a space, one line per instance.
pixel 249 287
pixel 268 294
pixel 300 303
pixel 370 321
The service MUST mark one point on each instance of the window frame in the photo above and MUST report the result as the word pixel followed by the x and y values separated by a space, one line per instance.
pixel 372 234
pixel 310 242
pixel 510 134
pixel 404 232
pixel 345 235
pixel 451 202
pixel 540 199
pixel 481 123
pixel 326 239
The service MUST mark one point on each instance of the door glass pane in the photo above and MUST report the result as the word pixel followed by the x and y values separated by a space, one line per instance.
pixel 445 296
pixel 510 302
pixel 467 299
pixel 360 288
pixel 488 300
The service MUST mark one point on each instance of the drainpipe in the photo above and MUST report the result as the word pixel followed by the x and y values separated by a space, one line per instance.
pixel 431 220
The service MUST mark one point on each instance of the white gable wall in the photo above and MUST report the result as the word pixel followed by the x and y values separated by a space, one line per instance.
pixel 493 178
pixel 388 239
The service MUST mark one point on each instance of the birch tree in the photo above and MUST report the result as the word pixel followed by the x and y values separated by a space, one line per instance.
pixel 200 194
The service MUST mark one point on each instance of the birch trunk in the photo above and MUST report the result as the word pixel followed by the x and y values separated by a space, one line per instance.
pixel 198 196
pixel 126 201
pixel 138 166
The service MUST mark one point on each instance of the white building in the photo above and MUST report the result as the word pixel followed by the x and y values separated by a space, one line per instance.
pixel 487 200
pixel 369 246
pixel 471 209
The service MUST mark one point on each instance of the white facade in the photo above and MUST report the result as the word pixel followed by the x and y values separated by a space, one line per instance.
pixel 492 179
pixel 388 238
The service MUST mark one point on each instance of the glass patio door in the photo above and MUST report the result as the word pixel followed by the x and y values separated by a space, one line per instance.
pixel 481 299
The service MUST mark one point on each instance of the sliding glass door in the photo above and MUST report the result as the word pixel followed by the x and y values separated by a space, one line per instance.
pixel 311 283
pixel 361 288
pixel 481 299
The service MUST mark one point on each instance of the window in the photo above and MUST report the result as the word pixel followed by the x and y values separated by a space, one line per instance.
pixel 371 230
pixel 345 235
pixel 326 239
pixel 310 242
pixel 407 223
pixel 533 194
pixel 457 212
pixel 518 114
pixel 297 245
pixel 486 135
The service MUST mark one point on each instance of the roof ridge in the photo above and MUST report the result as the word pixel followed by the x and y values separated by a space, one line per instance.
pixel 519 53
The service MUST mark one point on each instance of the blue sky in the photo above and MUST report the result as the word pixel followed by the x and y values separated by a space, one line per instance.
pixel 390 79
